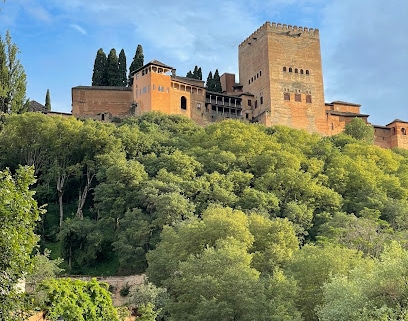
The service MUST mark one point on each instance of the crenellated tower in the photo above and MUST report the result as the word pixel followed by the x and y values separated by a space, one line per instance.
pixel 281 65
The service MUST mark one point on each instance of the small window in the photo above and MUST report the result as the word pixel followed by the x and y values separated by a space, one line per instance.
pixel 298 97
pixel 393 130
pixel 261 100
pixel 301 71
pixel 332 126
pixel 199 105
pixel 286 96
pixel 256 103
pixel 284 69
pixel 246 116
pixel 183 103
pixel 309 99
pixel 307 72
pixel 290 69
pixel 249 102
pixel 296 71
pixel 249 81
pixel 403 131
pixel 260 73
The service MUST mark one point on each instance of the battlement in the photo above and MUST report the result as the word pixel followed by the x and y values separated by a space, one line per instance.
pixel 283 29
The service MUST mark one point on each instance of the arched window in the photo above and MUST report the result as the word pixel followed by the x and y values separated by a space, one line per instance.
pixel 403 131
pixel 284 69
pixel 290 69
pixel 183 103
pixel 301 71
pixel 307 72
pixel 296 71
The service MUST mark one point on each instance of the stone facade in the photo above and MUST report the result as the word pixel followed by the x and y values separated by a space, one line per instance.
pixel 281 83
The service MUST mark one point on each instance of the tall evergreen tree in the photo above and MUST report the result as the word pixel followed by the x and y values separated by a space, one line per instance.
pixel 48 100
pixel 12 78
pixel 217 82
pixel 122 68
pixel 210 82
pixel 99 71
pixel 112 69
pixel 138 61
pixel 196 74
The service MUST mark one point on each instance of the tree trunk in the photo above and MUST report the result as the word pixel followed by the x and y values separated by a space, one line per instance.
pixel 83 195
pixel 60 190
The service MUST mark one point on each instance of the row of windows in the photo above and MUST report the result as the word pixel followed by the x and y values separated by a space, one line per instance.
pixel 258 74
pixel 298 97
pixel 256 102
pixel 146 89
pixel 296 70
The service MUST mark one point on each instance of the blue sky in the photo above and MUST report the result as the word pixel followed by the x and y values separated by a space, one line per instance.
pixel 364 43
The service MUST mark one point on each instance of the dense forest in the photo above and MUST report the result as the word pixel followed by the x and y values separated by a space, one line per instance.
pixel 233 221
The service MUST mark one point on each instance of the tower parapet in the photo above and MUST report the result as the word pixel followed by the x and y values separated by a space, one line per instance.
pixel 283 29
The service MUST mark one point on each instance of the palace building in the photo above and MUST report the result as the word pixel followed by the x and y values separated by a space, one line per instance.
pixel 280 83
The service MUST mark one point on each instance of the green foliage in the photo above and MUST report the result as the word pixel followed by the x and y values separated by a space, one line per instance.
pixel 312 267
pixel 76 300
pixel 99 77
pixel 360 130
pixel 374 291
pixel 18 215
pixel 158 192
pixel 12 78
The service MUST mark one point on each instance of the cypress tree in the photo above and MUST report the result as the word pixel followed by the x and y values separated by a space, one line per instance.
pixel 48 100
pixel 112 69
pixel 217 82
pixel 138 61
pixel 190 74
pixel 122 68
pixel 99 71
pixel 200 74
pixel 210 82
pixel 195 73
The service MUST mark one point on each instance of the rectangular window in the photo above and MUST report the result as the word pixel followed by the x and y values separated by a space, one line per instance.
pixel 298 97
pixel 199 105
pixel 309 99
pixel 261 100
pixel 256 103
pixel 286 96
pixel 249 102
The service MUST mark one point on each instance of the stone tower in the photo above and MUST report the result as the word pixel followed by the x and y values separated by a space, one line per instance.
pixel 281 65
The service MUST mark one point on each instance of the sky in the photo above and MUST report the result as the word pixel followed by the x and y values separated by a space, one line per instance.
pixel 364 43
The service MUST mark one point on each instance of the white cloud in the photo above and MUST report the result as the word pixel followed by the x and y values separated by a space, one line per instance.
pixel 79 29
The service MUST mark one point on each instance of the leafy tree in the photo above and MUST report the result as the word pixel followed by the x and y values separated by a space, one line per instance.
pixel 138 61
pixel 48 100
pixel 99 70
pixel 312 267
pixel 122 68
pixel 18 215
pixel 113 76
pixel 360 130
pixel 376 290
pixel 12 78
pixel 77 300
